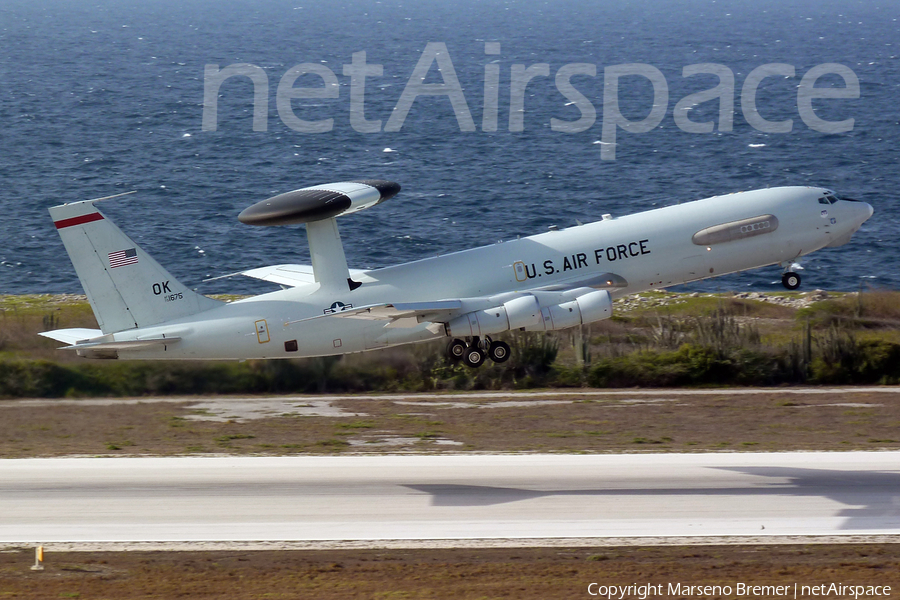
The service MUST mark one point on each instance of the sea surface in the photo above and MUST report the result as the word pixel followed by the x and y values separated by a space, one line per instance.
pixel 106 96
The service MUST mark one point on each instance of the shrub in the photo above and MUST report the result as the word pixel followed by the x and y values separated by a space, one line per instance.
pixel 689 365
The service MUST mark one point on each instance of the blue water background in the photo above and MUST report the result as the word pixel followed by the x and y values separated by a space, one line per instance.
pixel 102 97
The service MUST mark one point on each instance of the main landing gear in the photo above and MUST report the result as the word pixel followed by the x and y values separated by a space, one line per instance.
pixel 790 278
pixel 477 350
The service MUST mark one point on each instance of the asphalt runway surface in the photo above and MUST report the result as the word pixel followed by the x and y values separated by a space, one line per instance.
pixel 529 498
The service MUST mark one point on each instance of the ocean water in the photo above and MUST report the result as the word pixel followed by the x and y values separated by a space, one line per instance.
pixel 106 96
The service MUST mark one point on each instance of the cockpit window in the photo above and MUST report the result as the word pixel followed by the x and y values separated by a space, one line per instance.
pixel 831 198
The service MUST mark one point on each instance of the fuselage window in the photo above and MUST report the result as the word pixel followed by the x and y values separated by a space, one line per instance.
pixel 755 227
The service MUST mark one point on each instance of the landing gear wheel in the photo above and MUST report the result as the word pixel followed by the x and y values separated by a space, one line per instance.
pixel 473 357
pixel 790 280
pixel 499 352
pixel 456 349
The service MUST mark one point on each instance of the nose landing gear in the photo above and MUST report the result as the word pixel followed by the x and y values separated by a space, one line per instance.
pixel 477 350
pixel 790 280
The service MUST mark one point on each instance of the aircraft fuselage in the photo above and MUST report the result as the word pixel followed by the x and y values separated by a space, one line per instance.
pixel 645 251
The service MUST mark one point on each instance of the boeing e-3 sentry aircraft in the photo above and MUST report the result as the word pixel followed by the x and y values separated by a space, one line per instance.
pixel 555 280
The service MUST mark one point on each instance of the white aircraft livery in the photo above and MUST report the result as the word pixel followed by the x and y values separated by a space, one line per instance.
pixel 555 280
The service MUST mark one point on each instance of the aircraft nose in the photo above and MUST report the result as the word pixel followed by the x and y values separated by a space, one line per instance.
pixel 864 212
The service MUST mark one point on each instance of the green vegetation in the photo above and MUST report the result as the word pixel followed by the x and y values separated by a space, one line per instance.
pixel 656 340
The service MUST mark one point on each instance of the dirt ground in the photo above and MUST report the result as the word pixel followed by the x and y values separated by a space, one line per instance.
pixel 523 574
pixel 722 420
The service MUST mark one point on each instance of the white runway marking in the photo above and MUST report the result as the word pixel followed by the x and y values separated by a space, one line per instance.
pixel 480 497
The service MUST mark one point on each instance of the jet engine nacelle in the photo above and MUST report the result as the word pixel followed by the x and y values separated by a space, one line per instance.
pixel 525 312
pixel 517 313
pixel 587 308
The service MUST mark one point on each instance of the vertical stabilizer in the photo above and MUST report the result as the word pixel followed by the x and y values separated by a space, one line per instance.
pixel 125 286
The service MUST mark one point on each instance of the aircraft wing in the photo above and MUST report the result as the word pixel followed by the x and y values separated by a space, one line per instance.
pixel 409 314
pixel 400 314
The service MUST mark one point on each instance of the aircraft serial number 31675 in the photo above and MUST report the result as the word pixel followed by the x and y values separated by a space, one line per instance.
pixel 552 281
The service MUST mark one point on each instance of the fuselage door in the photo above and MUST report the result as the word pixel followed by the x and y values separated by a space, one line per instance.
pixel 519 268
pixel 262 331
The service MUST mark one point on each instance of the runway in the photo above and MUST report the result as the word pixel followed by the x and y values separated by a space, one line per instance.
pixel 449 497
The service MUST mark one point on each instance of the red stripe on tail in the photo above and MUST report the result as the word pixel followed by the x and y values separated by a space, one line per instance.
pixel 78 220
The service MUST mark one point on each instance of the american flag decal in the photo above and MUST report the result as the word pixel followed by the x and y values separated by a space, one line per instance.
pixel 122 258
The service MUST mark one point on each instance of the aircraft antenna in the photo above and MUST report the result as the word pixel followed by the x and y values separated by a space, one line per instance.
pixel 114 196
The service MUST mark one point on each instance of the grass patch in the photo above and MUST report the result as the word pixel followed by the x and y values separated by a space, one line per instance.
pixel 357 425
pixel 119 445
pixel 234 436
pixel 333 443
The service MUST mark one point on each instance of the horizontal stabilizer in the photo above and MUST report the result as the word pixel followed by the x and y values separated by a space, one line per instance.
pixel 291 275
pixel 93 339
pixel 123 345
pixel 72 336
